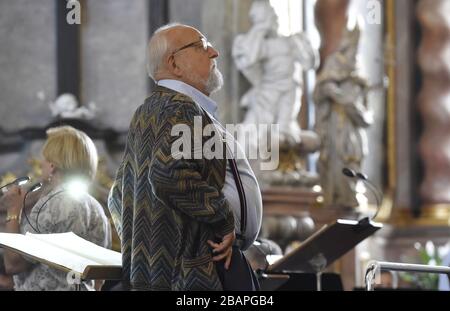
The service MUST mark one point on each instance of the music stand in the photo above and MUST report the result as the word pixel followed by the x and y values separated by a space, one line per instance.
pixel 324 247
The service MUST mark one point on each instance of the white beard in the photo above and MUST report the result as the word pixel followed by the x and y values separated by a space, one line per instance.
pixel 214 82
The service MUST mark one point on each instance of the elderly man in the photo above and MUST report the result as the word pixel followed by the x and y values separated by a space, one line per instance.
pixel 183 221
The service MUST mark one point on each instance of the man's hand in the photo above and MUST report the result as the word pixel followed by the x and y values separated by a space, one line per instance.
pixel 224 249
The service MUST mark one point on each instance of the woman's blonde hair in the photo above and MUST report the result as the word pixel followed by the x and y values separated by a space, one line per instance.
pixel 71 151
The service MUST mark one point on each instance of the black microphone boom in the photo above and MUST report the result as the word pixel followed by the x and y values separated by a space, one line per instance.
pixel 377 193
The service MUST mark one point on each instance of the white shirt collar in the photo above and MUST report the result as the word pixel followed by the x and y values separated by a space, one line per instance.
pixel 204 101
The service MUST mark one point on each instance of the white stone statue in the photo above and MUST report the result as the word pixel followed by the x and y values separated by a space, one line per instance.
pixel 342 116
pixel 274 65
pixel 66 107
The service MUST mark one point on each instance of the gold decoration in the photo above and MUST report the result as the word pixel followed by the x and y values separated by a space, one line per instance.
pixel 391 39
pixel 7 178
pixel 433 215
pixel 290 160
pixel 36 170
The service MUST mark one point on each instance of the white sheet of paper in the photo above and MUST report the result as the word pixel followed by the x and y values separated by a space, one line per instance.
pixel 45 251
pixel 76 245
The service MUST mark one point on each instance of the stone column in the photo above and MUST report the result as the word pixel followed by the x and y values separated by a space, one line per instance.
pixel 395 242
pixel 434 99
pixel 402 60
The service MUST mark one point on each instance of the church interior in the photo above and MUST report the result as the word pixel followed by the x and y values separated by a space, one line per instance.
pixel 359 91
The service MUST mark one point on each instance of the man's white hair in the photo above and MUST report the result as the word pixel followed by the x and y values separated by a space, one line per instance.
pixel 157 49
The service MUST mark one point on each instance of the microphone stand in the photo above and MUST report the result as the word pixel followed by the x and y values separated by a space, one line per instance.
pixel 34 188
pixel 375 191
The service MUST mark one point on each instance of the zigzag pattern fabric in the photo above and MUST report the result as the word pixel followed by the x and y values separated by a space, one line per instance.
pixel 165 209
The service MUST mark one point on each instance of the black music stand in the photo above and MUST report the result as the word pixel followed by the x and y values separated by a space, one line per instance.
pixel 320 250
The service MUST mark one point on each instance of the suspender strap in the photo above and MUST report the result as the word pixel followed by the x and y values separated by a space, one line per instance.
pixel 239 186
pixel 241 192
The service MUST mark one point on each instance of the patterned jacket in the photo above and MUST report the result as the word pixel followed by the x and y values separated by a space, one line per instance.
pixel 165 209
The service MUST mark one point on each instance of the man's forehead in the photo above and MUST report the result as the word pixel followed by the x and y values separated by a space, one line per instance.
pixel 183 33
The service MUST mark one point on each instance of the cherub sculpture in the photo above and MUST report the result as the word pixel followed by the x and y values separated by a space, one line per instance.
pixel 66 107
pixel 274 65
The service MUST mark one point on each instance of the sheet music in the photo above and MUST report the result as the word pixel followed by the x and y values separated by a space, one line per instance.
pixel 76 245
pixel 47 252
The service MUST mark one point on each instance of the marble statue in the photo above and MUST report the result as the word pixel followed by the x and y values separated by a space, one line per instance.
pixel 66 107
pixel 342 117
pixel 274 64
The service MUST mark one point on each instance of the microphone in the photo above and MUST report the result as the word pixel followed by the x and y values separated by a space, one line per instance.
pixel 19 182
pixel 34 188
pixel 348 172
pixel 363 177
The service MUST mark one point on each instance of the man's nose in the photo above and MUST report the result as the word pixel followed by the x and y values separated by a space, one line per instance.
pixel 213 53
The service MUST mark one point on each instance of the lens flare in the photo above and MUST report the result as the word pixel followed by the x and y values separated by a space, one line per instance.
pixel 76 187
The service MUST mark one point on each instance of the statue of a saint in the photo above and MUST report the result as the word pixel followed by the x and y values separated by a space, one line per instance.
pixel 342 116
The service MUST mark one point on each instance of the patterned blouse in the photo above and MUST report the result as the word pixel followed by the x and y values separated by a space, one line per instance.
pixel 60 212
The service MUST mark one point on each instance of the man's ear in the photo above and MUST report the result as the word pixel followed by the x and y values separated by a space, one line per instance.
pixel 173 66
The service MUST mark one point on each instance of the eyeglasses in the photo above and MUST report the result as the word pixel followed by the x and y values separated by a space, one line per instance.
pixel 203 41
